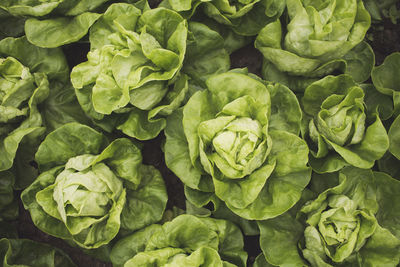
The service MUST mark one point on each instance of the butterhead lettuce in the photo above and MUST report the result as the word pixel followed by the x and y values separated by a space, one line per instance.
pixel 316 37
pixel 341 226
pixel 88 189
pixel 232 142
pixel 337 127
pixel 25 252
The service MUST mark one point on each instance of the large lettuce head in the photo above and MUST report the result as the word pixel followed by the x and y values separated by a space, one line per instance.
pixel 131 76
pixel 234 141
pixel 89 190
pixel 318 34
pixel 187 240
pixel 338 129
pixel 345 225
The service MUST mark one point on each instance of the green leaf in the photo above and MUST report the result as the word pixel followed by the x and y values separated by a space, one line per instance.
pixel 22 8
pixel 68 141
pixel 49 61
pixel 146 204
pixel 206 54
pixel 138 125
pixel 278 240
pixel 286 114
pixel 177 156
pixel 59 31
pixel 388 206
pixel 130 245
pixel 359 62
pixel 62 107
pixel 377 102
pixel 8 207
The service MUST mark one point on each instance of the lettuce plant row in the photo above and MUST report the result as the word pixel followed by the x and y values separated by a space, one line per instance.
pixel 296 164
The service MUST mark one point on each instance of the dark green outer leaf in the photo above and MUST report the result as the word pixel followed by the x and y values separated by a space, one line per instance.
pixel 359 62
pixel 146 204
pixel 71 140
pixel 62 107
pixel 28 253
pixel 388 199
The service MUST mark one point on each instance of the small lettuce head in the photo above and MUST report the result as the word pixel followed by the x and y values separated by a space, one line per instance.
pixel 338 129
pixel 232 143
pixel 344 225
pixel 187 240
pixel 339 227
pixel 317 36
pixel 88 190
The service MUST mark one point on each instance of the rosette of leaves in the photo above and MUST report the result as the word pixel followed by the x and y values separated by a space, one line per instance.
pixel 88 189
pixel 315 40
pixel 348 221
pixel 53 23
pixel 338 128
pixel 132 78
pixel 386 79
pixel 244 17
pixel 25 75
pixel 232 142
pixel 187 240
pixel 28 253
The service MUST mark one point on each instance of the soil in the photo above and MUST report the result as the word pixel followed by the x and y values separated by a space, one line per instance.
pixel 383 37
